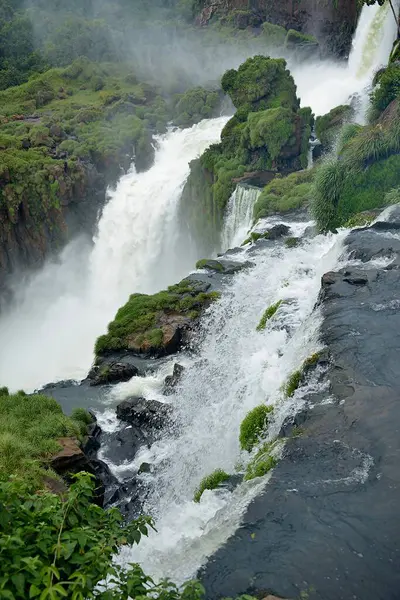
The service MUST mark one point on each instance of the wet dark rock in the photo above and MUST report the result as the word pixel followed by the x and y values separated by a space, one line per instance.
pixel 112 372
pixel 328 520
pixel 142 412
pixel 232 483
pixel 171 381
pixel 92 443
pixel 277 232
pixel 223 266
pixel 144 468
pixel 66 383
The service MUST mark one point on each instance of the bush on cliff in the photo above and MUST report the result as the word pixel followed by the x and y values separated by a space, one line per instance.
pixel 366 168
pixel 29 429
pixel 327 127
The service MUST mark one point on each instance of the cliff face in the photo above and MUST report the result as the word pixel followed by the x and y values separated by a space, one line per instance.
pixel 333 22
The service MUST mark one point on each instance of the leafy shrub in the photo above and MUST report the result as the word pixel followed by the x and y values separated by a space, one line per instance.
pixel 386 90
pixel 196 104
pixel 210 482
pixel 327 127
pixel 64 547
pixel 253 426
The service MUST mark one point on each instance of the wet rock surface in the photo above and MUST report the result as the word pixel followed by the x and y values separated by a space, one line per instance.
pixel 327 524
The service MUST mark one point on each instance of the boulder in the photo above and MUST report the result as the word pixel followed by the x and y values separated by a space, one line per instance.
pixel 223 266
pixel 112 372
pixel 143 413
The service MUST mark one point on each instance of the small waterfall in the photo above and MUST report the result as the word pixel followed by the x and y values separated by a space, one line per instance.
pixel 239 216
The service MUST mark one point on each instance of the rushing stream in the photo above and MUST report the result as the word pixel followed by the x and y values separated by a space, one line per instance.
pixel 50 332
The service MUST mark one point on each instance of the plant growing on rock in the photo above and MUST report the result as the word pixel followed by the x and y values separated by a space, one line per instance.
pixel 268 314
pixel 254 426
pixel 210 482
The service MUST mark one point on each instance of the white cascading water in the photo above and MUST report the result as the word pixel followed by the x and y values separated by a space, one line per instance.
pixel 50 332
pixel 326 85
pixel 239 216
pixel 237 368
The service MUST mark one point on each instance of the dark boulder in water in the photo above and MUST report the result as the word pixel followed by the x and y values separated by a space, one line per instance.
pixel 112 372
pixel 143 413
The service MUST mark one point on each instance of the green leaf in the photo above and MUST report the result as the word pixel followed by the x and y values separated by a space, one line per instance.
pixel 34 591
pixel 19 582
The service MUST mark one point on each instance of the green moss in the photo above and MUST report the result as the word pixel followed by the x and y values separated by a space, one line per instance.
pixel 272 129
pixel 205 263
pixel 297 377
pixel 262 463
pixel 136 324
pixel 261 83
pixel 295 39
pixel 210 482
pixel 284 194
pixel 254 426
pixel 292 242
pixel 361 219
pixel 29 429
pixel 328 126
pixel 268 314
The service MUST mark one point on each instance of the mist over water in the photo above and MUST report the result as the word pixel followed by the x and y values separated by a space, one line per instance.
pixel 49 333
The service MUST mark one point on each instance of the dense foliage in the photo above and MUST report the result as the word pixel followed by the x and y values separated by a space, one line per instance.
pixel 53 548
pixel 29 429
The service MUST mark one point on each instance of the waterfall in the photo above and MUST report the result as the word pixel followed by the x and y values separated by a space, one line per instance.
pixel 236 368
pixel 326 85
pixel 239 216
pixel 49 333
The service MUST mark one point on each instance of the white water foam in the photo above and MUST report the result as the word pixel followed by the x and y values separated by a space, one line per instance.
pixel 239 216
pixel 49 334
pixel 237 368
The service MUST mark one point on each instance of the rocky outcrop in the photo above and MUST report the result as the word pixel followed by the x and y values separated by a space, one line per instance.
pixel 333 23
pixel 326 525
pixel 108 372
pixel 143 413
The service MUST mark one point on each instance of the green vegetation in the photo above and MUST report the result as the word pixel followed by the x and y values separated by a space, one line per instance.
pixel 194 105
pixel 364 218
pixel 292 242
pixel 29 429
pixel 275 35
pixel 268 314
pixel 254 426
pixel 297 377
pixel 139 324
pixel 268 132
pixel 365 170
pixel 261 463
pixel 215 265
pixel 53 547
pixel 301 43
pixel 284 194
pixel 328 126
pixel 210 482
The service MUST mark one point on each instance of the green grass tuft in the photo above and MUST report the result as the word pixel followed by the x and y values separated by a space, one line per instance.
pixel 210 482
pixel 262 463
pixel 254 426
pixel 268 314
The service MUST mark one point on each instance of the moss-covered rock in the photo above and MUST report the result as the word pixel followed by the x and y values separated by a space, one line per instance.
pixel 261 83
pixel 284 194
pixel 254 425
pixel 262 462
pixel 156 325
pixel 275 34
pixel 303 44
pixel 328 126
pixel 297 378
pixel 223 266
